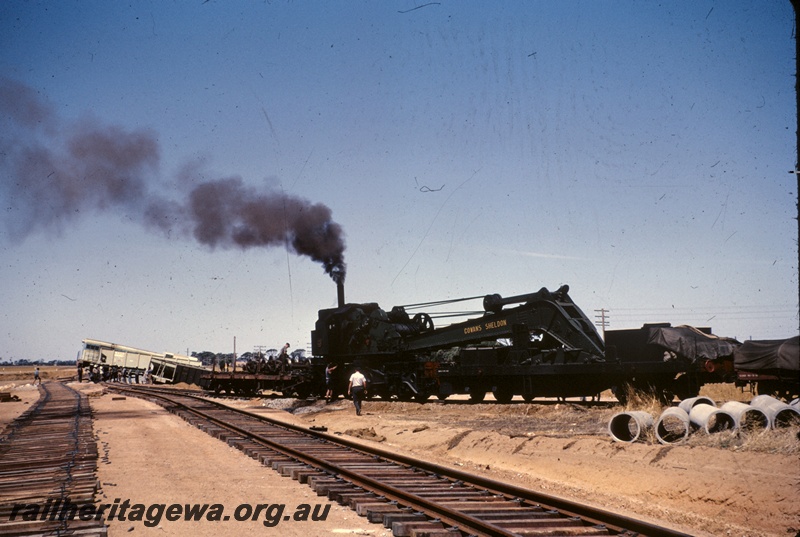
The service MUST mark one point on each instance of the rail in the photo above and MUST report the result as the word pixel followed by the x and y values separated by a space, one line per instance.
pixel 406 494
pixel 48 467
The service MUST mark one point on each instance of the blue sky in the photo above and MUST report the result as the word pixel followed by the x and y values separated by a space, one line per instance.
pixel 636 151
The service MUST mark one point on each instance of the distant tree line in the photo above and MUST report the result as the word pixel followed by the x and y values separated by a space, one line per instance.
pixel 206 357
pixel 209 358
pixel 25 361
pixel 217 358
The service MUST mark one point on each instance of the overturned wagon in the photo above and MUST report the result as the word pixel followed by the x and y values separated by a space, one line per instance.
pixel 108 361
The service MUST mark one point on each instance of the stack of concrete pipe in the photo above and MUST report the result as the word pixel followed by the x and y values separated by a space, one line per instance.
pixel 779 413
pixel 673 426
pixel 629 426
pixel 747 416
pixel 711 419
pixel 676 423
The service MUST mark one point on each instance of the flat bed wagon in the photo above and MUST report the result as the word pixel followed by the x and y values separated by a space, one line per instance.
pixel 300 380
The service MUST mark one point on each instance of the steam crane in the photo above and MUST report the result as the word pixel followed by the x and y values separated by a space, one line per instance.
pixel 544 320
pixel 520 350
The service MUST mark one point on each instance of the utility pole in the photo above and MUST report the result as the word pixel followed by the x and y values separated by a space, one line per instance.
pixel 603 320
pixel 796 6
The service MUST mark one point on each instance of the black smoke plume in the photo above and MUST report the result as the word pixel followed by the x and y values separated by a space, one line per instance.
pixel 53 173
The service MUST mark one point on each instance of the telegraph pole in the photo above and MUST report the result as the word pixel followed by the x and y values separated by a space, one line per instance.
pixel 796 5
pixel 603 320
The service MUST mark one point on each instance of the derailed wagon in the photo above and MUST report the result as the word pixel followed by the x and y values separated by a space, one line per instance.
pixel 104 360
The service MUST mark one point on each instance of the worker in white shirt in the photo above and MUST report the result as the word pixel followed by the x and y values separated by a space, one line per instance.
pixel 357 388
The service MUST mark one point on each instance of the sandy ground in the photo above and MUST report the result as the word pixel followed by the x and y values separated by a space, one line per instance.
pixel 151 457
pixel 709 487
pixel 702 488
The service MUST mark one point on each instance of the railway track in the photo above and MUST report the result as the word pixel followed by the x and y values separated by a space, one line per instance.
pixel 48 466
pixel 410 496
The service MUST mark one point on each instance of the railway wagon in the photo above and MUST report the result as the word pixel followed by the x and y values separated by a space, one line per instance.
pixel 104 358
pixel 300 380
pixel 773 366
pixel 167 371
pixel 668 360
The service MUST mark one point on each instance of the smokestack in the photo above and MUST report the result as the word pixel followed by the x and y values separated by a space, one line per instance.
pixel 340 292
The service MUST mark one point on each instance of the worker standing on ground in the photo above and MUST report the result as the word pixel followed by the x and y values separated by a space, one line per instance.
pixel 329 381
pixel 357 388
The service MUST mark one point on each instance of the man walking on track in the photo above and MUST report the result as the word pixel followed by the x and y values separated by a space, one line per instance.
pixel 357 389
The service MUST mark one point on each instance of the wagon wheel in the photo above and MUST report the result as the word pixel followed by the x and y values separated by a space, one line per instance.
pixel 503 395
pixel 405 395
pixel 477 396
pixel 424 321
pixel 622 392
pixel 775 389
pixel 422 397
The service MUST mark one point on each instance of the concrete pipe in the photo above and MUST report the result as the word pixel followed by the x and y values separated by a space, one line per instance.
pixel 629 426
pixel 687 404
pixel 711 419
pixel 795 403
pixel 779 413
pixel 673 426
pixel 748 418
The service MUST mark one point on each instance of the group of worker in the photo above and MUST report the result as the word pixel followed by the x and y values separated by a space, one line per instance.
pixel 113 373
pixel 356 387
pixel 272 365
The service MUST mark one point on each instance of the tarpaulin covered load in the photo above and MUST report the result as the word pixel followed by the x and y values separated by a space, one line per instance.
pixel 691 344
pixel 769 354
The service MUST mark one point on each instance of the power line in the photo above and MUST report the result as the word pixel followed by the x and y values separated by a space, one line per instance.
pixel 780 307
pixel 603 320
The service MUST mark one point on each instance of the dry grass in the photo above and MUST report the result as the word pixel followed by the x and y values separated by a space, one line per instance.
pixel 457 439
pixel 644 401
pixel 726 392
pixel 784 441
